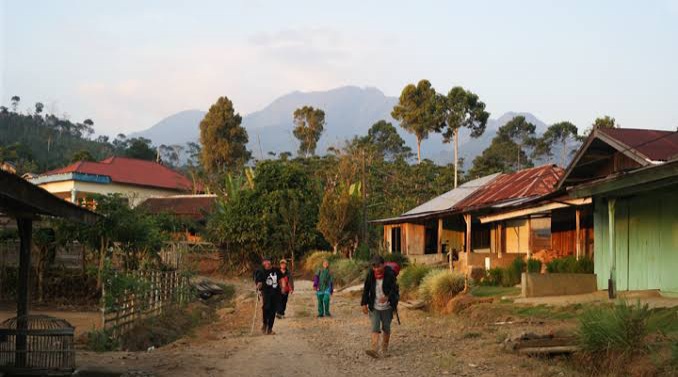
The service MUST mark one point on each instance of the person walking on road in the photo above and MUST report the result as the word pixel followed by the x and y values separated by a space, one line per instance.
pixel 380 301
pixel 286 288
pixel 323 284
pixel 267 280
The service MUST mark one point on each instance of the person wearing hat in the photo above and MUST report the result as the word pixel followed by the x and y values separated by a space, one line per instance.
pixel 286 288
pixel 267 280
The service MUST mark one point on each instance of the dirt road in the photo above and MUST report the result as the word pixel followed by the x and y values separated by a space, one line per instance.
pixel 425 345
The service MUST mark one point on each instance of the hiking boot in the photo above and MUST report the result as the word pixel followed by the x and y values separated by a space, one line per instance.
pixel 320 315
pixel 279 316
pixel 384 344
pixel 374 349
pixel 270 332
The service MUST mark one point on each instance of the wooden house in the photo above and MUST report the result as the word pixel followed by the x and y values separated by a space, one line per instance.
pixel 632 177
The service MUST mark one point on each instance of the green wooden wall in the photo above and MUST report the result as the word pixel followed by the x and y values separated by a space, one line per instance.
pixel 646 234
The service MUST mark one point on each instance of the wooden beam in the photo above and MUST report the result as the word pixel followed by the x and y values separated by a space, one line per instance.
pixel 611 288
pixel 21 196
pixel 577 219
pixel 440 236
pixel 25 234
pixel 467 220
pixel 643 179
pixel 533 210
pixel 529 237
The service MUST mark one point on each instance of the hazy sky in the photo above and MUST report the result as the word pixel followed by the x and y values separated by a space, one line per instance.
pixel 128 64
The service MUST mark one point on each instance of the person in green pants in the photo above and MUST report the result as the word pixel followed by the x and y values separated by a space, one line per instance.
pixel 324 287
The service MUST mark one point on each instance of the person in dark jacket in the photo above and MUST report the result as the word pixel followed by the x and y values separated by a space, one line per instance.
pixel 267 280
pixel 380 301
pixel 286 288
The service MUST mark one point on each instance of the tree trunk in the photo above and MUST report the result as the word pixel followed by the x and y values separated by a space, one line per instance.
pixel 336 248
pixel 563 153
pixel 419 150
pixel 456 155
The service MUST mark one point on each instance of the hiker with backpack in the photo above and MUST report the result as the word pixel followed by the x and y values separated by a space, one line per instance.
pixel 286 288
pixel 323 283
pixel 380 301
pixel 267 280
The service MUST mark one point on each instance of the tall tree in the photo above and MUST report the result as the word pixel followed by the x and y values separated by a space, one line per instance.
pixel 309 124
pixel 140 148
pixel 605 122
pixel 508 151
pixel 418 111
pixel 522 133
pixel 223 139
pixel 15 102
pixel 39 106
pixel 383 139
pixel 562 135
pixel 82 155
pixel 462 108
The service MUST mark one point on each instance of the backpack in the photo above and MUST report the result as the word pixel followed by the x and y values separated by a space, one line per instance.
pixel 394 267
pixel 395 298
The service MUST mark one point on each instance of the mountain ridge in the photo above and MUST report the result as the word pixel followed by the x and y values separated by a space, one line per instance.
pixel 350 111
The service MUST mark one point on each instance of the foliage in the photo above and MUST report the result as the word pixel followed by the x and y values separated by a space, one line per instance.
pixel 622 329
pixel 418 111
pixel 140 148
pixel 570 265
pixel 340 208
pixel 345 271
pixel 101 341
pixel 118 283
pixel 276 216
pixel 411 276
pixel 494 291
pixel 314 260
pixel 83 155
pixel 561 134
pixel 440 285
pixel 384 141
pixel 399 258
pixel 223 139
pixel 462 108
pixel 533 265
pixel 506 277
pixel 508 151
pixel 309 124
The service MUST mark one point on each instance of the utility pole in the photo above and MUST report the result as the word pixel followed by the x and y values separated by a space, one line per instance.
pixel 364 195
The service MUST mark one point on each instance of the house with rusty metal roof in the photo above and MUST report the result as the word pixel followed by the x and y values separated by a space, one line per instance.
pixel 191 211
pixel 134 179
pixel 450 224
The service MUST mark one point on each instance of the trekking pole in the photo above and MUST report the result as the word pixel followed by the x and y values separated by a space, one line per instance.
pixel 397 317
pixel 254 316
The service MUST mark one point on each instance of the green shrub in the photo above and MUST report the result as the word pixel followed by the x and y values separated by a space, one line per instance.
pixel 493 277
pixel 439 286
pixel 101 341
pixel 533 265
pixel 620 329
pixel 363 253
pixel 571 265
pixel 399 258
pixel 315 259
pixel 411 276
pixel 346 271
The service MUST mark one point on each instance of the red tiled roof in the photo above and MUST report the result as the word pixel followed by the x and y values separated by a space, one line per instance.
pixel 130 171
pixel 193 206
pixel 656 145
pixel 525 183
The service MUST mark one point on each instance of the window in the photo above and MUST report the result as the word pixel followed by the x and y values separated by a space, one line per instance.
pixel 541 233
pixel 396 239
pixel 480 236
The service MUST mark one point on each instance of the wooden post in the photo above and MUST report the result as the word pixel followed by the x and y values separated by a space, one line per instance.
pixel 529 236
pixel 500 239
pixel 25 226
pixel 467 219
pixel 577 245
pixel 611 289
pixel 440 236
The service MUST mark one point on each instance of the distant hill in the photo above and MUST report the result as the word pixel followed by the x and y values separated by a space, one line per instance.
pixel 350 111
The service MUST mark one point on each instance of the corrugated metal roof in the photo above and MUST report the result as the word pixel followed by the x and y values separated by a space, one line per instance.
pixel 449 199
pixel 527 183
pixel 193 206
pixel 657 145
pixel 442 203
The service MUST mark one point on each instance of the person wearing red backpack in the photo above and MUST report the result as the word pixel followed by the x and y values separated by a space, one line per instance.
pixel 286 288
pixel 380 300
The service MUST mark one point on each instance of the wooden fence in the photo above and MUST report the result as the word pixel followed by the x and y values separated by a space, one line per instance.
pixel 165 290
